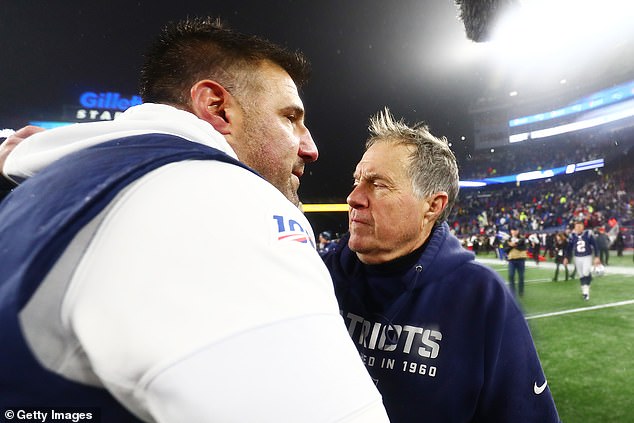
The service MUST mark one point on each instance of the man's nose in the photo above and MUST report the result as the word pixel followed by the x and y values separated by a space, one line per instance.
pixel 307 147
pixel 357 199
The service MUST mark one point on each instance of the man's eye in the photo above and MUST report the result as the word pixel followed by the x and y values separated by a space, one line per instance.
pixel 291 118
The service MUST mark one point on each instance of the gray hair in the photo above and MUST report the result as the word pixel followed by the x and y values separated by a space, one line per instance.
pixel 432 164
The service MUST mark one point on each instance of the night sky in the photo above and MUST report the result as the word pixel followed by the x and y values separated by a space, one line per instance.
pixel 410 55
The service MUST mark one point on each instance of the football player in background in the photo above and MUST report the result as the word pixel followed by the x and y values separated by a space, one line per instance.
pixel 583 247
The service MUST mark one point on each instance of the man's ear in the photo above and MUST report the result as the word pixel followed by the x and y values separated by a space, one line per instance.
pixel 437 203
pixel 210 101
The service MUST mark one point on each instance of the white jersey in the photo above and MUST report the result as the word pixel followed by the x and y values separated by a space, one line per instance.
pixel 196 295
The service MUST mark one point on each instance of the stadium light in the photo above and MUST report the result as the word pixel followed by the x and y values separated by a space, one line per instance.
pixel 535 174
pixel 594 101
pixel 548 37
pixel 541 27
pixel 604 116
pixel 472 184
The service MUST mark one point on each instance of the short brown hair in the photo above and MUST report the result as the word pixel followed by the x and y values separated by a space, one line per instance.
pixel 203 48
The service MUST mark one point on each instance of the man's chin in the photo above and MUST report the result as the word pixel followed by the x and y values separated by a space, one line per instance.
pixel 355 243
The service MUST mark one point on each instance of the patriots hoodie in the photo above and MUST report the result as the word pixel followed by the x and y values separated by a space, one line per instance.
pixel 441 336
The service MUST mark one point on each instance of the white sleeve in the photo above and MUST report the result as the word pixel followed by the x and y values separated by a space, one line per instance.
pixel 202 298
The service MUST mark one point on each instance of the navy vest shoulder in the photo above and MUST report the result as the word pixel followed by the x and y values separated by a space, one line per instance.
pixel 37 222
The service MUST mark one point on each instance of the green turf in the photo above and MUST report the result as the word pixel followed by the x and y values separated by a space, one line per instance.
pixel 588 356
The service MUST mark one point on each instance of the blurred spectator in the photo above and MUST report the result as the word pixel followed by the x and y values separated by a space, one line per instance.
pixel 535 247
pixel 619 243
pixel 515 248
pixel 603 244
pixel 326 242
pixel 561 245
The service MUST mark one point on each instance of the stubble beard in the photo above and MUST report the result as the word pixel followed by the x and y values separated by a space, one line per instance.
pixel 256 158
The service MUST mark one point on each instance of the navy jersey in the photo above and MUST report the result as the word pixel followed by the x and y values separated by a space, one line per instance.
pixel 582 245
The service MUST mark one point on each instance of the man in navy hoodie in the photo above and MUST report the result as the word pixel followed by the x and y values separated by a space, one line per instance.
pixel 441 335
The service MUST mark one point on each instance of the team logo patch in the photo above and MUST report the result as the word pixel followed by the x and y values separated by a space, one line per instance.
pixel 290 230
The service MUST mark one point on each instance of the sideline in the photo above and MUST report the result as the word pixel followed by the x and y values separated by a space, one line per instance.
pixel 577 310
pixel 609 270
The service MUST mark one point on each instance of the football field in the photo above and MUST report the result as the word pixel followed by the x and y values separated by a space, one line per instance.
pixel 586 347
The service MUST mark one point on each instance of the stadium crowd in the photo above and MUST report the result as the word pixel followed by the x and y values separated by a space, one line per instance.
pixel 600 197
pixel 546 206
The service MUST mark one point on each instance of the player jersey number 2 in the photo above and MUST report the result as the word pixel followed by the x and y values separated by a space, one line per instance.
pixel 581 246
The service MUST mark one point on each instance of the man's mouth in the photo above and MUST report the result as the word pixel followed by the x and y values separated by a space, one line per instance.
pixel 298 172
pixel 356 219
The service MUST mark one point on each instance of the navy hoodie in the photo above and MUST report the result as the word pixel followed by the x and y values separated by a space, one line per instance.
pixel 441 336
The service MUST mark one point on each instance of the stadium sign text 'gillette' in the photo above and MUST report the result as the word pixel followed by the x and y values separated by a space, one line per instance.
pixel 111 101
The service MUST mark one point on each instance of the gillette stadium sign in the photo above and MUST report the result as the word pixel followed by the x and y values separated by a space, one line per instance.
pixel 109 101
pixel 103 106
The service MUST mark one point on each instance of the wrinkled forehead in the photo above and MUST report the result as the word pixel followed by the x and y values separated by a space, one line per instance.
pixel 370 165
pixel 365 169
pixel 387 158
